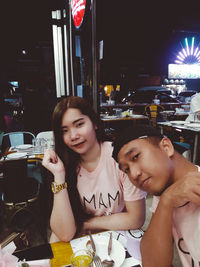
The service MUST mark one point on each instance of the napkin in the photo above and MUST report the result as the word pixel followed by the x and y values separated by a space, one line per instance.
pixel 6 257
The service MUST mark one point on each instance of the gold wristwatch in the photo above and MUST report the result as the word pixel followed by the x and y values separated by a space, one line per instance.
pixel 57 187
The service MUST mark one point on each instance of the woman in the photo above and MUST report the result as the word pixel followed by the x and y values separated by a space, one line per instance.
pixel 91 184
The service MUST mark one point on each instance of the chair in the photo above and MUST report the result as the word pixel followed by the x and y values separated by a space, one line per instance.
pixel 152 111
pixel 16 138
pixel 19 138
pixel 21 197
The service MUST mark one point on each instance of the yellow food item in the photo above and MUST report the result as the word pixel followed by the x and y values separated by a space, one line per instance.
pixel 82 260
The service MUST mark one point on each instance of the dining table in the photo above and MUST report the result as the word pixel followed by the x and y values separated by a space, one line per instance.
pixel 125 249
pixel 133 117
pixel 114 123
pixel 188 129
pixel 22 151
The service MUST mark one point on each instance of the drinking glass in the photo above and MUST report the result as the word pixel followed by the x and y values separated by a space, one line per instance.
pixel 82 258
pixel 39 145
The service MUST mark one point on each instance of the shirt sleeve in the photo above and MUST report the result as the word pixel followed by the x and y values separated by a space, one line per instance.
pixel 131 193
pixel 154 205
pixel 195 103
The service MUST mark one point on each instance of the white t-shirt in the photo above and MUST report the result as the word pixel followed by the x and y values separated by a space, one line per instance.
pixel 186 232
pixel 104 190
pixel 194 106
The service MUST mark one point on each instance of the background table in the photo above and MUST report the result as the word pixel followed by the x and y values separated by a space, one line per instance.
pixel 185 130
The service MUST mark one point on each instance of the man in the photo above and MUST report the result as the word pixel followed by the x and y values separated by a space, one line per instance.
pixel 155 165
pixel 194 107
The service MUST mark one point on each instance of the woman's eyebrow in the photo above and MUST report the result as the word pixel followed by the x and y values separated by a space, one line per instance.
pixel 74 122
pixel 80 119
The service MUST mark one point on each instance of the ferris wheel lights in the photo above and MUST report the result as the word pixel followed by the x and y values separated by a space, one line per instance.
pixel 187 47
pixel 197 54
pixel 181 59
pixel 192 46
pixel 181 55
pixel 184 52
pixel 190 54
pixel 178 62
pixel 196 50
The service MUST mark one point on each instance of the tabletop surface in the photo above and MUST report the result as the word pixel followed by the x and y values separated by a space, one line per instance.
pixel 130 240
pixel 194 127
pixel 21 153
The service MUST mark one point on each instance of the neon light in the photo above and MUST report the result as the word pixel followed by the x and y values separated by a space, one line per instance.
pixel 197 54
pixel 192 47
pixel 179 62
pixel 187 47
pixel 196 51
pixel 180 58
pixel 181 55
pixel 184 52
pixel 189 54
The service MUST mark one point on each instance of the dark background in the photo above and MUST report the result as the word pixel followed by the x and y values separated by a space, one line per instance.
pixel 143 36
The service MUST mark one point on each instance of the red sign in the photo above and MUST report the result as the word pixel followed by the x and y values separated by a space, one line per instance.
pixel 78 11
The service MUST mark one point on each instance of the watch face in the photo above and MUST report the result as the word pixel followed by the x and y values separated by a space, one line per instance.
pixel 53 187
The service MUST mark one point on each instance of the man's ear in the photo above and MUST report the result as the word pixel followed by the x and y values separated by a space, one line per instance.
pixel 167 146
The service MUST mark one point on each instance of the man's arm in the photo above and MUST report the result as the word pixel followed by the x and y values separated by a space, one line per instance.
pixel 157 241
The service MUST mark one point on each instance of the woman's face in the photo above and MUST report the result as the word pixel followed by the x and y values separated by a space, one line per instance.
pixel 78 131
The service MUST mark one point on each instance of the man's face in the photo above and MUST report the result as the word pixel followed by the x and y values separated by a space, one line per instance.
pixel 149 167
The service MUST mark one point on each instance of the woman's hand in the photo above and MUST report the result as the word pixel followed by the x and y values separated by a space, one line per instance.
pixel 54 164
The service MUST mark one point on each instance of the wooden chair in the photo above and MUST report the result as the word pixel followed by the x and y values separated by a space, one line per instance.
pixel 152 111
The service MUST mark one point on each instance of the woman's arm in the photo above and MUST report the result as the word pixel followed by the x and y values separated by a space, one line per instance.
pixel 132 218
pixel 62 220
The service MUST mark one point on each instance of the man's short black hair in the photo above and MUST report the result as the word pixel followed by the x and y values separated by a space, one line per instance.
pixel 139 131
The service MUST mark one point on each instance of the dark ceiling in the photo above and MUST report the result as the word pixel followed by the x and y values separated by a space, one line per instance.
pixel 144 34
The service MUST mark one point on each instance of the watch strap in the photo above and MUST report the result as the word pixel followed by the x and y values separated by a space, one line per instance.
pixel 58 187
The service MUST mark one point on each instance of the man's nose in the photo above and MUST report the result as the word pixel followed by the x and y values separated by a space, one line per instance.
pixel 135 173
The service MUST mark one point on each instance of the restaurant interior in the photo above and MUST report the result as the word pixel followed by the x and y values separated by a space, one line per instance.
pixel 115 55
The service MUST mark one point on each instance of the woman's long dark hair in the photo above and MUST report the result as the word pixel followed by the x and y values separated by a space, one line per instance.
pixel 70 158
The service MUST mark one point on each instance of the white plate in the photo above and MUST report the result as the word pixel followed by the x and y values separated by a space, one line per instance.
pixel 101 243
pixel 16 155
pixel 193 125
pixel 136 116
pixel 177 122
pixel 25 146
pixel 110 117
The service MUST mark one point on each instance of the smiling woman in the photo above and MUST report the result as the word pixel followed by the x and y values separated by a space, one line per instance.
pixel 95 185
